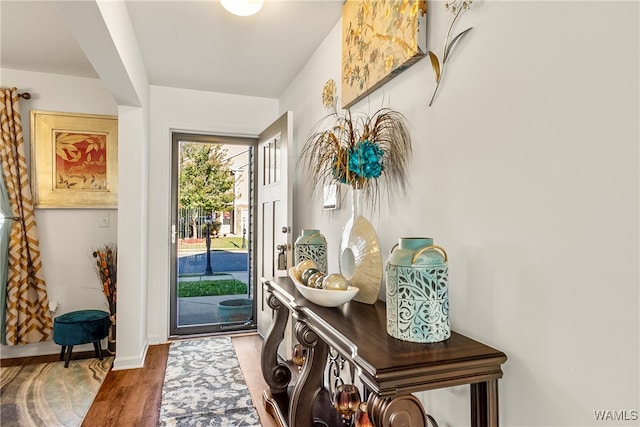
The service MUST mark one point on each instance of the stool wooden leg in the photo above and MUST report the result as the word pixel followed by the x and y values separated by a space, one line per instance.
pixel 96 345
pixel 64 347
pixel 68 358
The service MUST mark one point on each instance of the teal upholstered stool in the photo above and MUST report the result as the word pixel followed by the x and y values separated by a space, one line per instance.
pixel 80 327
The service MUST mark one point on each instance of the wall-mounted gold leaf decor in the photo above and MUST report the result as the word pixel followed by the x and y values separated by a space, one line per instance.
pixel 329 95
pixel 380 39
pixel 456 7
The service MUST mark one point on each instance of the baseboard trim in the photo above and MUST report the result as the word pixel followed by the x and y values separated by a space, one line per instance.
pixel 134 362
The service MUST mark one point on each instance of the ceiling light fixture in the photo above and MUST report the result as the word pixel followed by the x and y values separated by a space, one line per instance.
pixel 242 7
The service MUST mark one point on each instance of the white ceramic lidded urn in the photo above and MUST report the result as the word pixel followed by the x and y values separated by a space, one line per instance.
pixel 311 245
pixel 417 291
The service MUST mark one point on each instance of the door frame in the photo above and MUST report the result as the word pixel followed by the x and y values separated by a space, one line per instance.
pixel 218 328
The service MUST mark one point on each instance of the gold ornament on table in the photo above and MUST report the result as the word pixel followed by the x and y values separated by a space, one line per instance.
pixel 298 356
pixel 456 7
pixel 346 400
pixel 362 417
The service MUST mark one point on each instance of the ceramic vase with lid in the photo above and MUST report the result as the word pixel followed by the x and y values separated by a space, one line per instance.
pixel 311 245
pixel 417 291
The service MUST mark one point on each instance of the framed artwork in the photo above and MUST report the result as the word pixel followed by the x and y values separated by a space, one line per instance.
pixel 74 160
pixel 380 39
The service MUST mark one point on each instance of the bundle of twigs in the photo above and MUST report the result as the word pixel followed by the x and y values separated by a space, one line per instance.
pixel 106 266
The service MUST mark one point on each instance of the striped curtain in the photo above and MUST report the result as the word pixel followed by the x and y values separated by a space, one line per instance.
pixel 6 220
pixel 27 317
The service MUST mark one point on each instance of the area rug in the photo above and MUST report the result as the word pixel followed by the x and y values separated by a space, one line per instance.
pixel 48 394
pixel 204 386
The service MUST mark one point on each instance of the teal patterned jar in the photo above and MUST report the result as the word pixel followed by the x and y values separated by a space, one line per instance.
pixel 417 291
pixel 311 245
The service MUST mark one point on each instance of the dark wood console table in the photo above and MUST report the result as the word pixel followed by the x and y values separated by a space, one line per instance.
pixel 389 368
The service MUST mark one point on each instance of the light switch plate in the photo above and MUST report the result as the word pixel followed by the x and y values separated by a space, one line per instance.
pixel 104 220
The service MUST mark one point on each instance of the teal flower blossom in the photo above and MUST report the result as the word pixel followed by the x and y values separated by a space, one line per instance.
pixel 365 159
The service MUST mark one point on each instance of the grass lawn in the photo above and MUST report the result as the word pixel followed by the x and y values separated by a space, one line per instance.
pixel 204 288
pixel 225 243
pixel 201 274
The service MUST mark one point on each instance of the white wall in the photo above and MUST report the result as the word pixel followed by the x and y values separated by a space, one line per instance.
pixel 67 236
pixel 526 170
pixel 186 111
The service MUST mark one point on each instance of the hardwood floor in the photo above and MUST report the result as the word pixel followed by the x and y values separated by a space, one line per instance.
pixel 132 398
pixel 248 350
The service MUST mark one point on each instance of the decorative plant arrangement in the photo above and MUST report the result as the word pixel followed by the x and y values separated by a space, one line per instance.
pixel 456 7
pixel 358 150
pixel 106 266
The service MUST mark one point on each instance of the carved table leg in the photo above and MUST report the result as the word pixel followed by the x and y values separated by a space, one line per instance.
pixel 401 411
pixel 310 382
pixel 492 404
pixel 484 404
pixel 276 375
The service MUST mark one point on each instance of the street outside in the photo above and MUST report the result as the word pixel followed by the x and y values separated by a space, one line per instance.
pixel 225 265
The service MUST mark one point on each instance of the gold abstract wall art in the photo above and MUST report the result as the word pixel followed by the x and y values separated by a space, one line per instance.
pixel 74 160
pixel 380 39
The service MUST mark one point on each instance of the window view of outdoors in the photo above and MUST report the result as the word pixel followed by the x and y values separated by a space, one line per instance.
pixel 212 234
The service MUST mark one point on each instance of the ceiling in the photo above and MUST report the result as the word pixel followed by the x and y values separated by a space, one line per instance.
pixel 184 44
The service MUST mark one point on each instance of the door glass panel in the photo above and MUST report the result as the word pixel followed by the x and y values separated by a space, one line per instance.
pixel 212 288
pixel 265 164
pixel 271 161
pixel 276 162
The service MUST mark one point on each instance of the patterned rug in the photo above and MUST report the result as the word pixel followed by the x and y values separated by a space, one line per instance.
pixel 48 394
pixel 204 386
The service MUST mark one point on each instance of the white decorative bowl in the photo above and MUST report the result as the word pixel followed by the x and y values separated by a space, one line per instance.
pixel 323 297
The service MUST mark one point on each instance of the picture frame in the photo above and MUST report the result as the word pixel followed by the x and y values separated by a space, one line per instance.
pixel 380 39
pixel 74 160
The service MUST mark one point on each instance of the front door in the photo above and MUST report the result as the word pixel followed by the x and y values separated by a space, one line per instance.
pixel 212 289
pixel 263 225
pixel 274 210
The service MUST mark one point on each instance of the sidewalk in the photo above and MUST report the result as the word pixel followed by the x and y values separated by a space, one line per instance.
pixel 225 265
pixel 202 310
pixel 242 276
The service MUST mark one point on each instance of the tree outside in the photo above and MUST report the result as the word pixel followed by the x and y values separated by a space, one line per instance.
pixel 206 181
